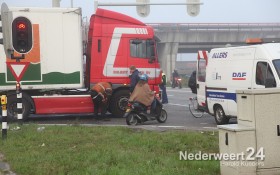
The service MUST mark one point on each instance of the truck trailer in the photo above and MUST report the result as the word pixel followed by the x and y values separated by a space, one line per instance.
pixel 56 69
pixel 225 70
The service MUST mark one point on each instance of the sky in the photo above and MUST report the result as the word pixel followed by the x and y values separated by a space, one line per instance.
pixel 212 11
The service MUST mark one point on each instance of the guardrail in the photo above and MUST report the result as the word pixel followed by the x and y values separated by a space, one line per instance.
pixel 184 27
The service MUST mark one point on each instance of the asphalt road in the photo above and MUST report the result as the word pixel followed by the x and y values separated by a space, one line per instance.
pixel 179 116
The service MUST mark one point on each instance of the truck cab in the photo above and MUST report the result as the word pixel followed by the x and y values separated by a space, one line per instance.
pixel 115 42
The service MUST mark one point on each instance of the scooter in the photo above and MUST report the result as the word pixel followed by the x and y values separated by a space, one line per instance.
pixel 137 113
pixel 177 83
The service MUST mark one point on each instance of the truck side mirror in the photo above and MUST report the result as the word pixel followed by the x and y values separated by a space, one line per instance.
pixel 152 42
pixel 269 83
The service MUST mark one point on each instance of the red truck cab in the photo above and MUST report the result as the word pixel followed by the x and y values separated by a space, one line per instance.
pixel 115 42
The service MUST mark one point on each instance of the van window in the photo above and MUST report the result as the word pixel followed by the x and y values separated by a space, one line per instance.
pixel 141 48
pixel 201 74
pixel 263 72
pixel 277 66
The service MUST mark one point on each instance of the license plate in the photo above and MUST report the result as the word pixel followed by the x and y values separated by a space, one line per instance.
pixel 127 110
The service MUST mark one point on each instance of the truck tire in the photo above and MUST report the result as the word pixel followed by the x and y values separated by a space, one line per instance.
pixel 220 116
pixel 12 108
pixel 119 102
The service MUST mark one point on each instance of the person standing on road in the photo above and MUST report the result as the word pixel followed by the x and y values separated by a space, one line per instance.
pixel 192 82
pixel 162 86
pixel 101 93
pixel 134 77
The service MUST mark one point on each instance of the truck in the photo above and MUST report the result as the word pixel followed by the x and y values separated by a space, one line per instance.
pixel 56 68
pixel 224 70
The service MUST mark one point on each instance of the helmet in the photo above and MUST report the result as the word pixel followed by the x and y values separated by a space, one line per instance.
pixel 144 77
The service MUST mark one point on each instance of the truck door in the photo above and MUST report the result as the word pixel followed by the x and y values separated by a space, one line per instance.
pixel 201 76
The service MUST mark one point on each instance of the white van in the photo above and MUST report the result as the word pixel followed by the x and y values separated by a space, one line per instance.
pixel 225 70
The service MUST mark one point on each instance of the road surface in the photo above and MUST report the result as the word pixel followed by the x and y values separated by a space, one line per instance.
pixel 179 116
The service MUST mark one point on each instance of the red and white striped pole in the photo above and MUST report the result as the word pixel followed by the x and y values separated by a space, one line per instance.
pixel 4 117
pixel 19 103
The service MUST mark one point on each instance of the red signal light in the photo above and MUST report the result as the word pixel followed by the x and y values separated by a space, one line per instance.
pixel 21 26
pixel 22 34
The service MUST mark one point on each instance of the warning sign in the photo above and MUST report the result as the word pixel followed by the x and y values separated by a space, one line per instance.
pixel 18 69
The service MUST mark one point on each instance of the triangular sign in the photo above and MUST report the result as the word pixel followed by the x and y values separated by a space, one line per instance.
pixel 18 69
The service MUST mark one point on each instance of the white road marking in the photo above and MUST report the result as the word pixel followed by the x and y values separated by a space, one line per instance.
pixel 210 128
pixel 170 126
pixel 182 91
pixel 176 104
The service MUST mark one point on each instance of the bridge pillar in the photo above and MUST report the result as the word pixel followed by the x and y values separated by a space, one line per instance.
pixel 167 53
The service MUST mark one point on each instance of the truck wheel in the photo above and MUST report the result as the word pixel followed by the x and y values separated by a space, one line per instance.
pixel 119 103
pixel 12 108
pixel 220 116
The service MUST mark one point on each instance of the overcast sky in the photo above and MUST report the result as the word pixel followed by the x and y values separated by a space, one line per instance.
pixel 212 11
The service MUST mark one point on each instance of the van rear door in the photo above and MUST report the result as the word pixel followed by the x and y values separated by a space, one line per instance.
pixel 201 76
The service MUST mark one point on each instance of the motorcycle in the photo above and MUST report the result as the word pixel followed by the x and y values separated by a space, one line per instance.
pixel 139 113
pixel 177 82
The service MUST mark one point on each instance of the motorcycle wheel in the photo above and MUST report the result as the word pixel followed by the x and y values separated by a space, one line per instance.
pixel 131 119
pixel 162 117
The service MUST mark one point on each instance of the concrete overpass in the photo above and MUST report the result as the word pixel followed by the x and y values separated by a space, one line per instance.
pixel 190 37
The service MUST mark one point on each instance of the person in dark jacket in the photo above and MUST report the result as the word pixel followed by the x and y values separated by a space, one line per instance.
pixel 175 75
pixel 162 86
pixel 192 82
pixel 134 77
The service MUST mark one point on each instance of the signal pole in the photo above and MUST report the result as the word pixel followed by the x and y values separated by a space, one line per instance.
pixel 4 117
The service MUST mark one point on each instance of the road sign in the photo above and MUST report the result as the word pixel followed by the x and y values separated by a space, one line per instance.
pixel 18 69
pixel 193 10
pixel 143 10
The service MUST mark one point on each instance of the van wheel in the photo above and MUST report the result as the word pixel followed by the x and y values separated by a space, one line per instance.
pixel 119 102
pixel 12 108
pixel 220 116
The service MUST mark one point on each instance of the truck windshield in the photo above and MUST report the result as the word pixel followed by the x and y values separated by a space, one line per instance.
pixel 276 64
pixel 141 48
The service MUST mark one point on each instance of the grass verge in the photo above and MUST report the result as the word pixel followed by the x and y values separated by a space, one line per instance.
pixel 107 150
